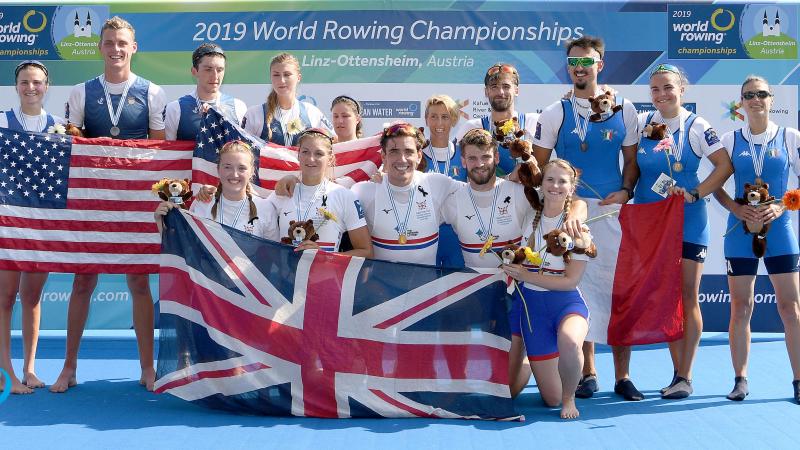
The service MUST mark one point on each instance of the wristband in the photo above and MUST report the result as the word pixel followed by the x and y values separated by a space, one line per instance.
pixel 628 190
pixel 695 194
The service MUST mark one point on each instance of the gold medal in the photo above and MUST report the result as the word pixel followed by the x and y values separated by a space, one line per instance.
pixel 759 180
pixel 677 166
pixel 402 239
pixel 584 146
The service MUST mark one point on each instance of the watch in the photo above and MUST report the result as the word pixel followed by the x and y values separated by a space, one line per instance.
pixel 695 194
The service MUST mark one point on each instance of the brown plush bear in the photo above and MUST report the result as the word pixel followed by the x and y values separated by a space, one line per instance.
pixel 299 232
pixel 603 107
pixel 512 254
pixel 755 195
pixel 655 131
pixel 520 150
pixel 174 190
pixel 584 245
pixel 72 130
pixel 559 244
pixel 503 134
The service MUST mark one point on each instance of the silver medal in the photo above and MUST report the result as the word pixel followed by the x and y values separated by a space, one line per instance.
pixel 114 131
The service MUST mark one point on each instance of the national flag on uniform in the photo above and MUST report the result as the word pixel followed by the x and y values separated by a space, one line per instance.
pixel 251 326
pixel 647 302
pixel 78 205
pixel 356 160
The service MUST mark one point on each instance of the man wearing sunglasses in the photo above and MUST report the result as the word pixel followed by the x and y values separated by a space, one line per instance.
pixel 182 116
pixel 501 86
pixel 594 148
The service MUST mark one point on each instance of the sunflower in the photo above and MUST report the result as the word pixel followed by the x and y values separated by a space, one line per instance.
pixel 532 256
pixel 327 215
pixel 507 127
pixel 159 185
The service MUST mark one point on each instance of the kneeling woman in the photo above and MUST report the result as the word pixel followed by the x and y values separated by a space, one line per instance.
pixel 332 208
pixel 553 305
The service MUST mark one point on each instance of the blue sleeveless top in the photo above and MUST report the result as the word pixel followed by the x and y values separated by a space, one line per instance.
pixel 134 122
pixel 599 164
pixel 189 123
pixel 277 130
pixel 13 123
pixel 456 170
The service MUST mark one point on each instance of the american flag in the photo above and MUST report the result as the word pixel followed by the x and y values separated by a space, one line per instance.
pixel 356 160
pixel 251 326
pixel 81 205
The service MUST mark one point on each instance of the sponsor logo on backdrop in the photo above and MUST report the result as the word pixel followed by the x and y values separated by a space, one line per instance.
pixel 385 109
pixel 21 32
pixel 461 105
pixel 732 111
pixel 722 31
pixel 46 32
pixel 76 31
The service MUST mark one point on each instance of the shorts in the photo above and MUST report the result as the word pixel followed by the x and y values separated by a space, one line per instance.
pixel 546 311
pixel 774 264
pixel 694 252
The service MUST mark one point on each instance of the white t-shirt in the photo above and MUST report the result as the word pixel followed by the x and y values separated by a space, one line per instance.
pixel 305 204
pixel 500 211
pixel 697 133
pixel 156 102
pixel 551 265
pixel 552 118
pixel 254 117
pixel 172 114
pixel 430 191
pixel 530 126
pixel 236 214
pixel 32 123
pixel 792 143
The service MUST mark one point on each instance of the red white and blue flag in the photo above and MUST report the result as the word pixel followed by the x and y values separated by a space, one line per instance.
pixel 251 326
pixel 356 160
pixel 80 205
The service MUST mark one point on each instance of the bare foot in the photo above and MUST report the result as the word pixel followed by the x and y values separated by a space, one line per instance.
pixel 148 378
pixel 66 379
pixel 16 386
pixel 32 381
pixel 568 409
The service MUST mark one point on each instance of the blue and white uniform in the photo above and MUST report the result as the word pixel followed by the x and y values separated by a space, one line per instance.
pixel 475 215
pixel 545 309
pixel 308 116
pixel 527 122
pixel 699 139
pixel 182 116
pixel 415 208
pixel 600 169
pixel 780 147
pixel 447 161
pixel 15 119
pixel 307 202
pixel 142 110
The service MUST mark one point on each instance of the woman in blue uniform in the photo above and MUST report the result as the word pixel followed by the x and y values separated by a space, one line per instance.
pixel 444 156
pixel 31 79
pixel 761 151
pixel 670 166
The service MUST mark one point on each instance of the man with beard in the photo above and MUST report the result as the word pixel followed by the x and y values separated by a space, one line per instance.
pixel 501 86
pixel 594 149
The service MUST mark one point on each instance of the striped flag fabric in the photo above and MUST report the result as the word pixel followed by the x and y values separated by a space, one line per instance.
pixel 78 205
pixel 251 326
pixel 356 160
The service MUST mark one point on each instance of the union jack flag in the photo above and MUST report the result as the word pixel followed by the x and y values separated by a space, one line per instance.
pixel 356 160
pixel 249 325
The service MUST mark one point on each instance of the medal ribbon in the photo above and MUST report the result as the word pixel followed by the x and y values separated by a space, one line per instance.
pixel 581 126
pixel 41 121
pixel 238 212
pixel 758 160
pixel 401 228
pixel 115 115
pixel 302 217
pixel 446 161
pixel 487 232
pixel 677 149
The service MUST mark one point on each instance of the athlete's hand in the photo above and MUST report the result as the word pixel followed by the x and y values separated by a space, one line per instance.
pixel 307 245
pixel 747 213
pixel 285 186
pixel 677 190
pixel 573 227
pixel 163 209
pixel 770 212
pixel 620 197
pixel 206 193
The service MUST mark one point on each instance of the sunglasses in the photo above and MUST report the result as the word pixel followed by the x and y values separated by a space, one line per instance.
pixel 665 68
pixel 583 61
pixel 398 128
pixel 749 95
pixel 497 68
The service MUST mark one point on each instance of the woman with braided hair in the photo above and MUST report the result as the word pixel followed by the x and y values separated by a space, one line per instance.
pixel 553 318
pixel 234 203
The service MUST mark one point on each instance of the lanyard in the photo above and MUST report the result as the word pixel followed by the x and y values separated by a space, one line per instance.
pixel 677 149
pixel 758 159
pixel 402 228
pixel 238 212
pixel 435 161
pixel 486 232
pixel 302 217
pixel 40 121
pixel 541 238
pixel 112 114
pixel 581 123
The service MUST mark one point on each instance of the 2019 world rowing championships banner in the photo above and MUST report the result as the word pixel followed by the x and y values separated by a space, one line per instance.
pixel 392 56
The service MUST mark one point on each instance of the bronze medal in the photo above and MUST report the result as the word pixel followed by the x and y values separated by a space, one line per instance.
pixel 677 166
pixel 584 146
